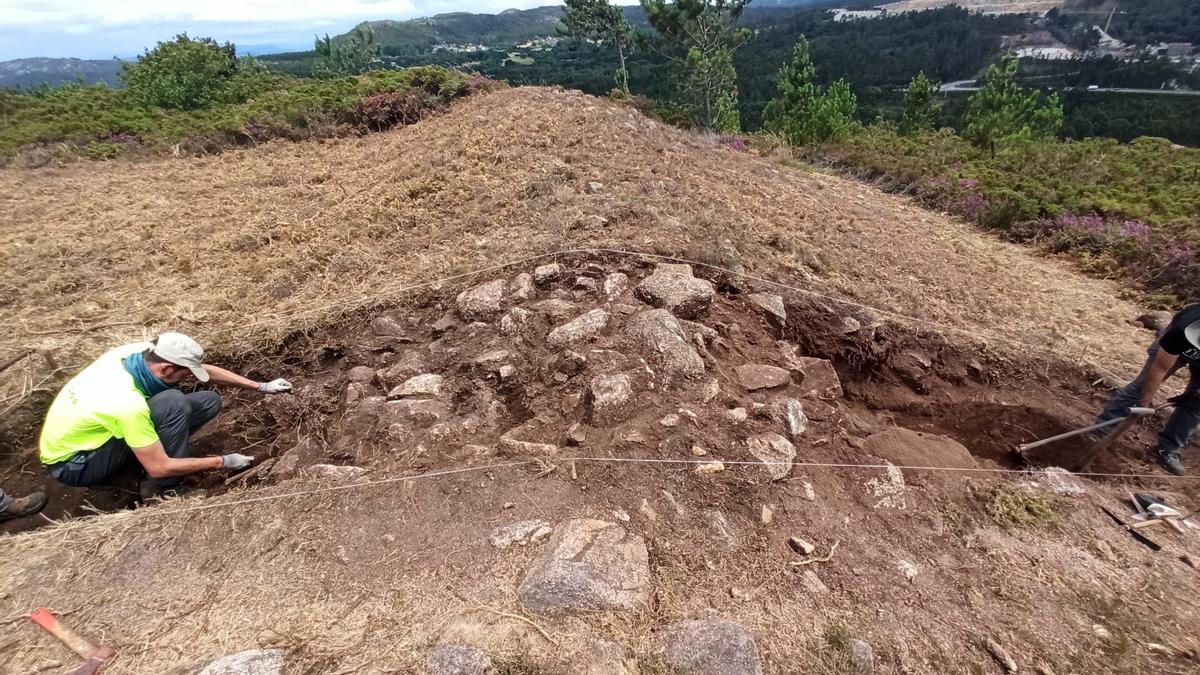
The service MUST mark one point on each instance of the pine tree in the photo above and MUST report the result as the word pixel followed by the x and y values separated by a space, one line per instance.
pixel 705 32
pixel 358 53
pixel 601 22
pixel 920 114
pixel 804 113
pixel 1003 112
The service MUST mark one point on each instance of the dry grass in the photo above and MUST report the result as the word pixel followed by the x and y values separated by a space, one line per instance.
pixel 245 248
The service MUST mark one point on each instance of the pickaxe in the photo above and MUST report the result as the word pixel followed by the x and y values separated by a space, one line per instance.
pixel 1122 424
pixel 94 658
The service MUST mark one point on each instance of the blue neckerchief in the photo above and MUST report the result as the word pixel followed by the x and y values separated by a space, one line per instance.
pixel 143 379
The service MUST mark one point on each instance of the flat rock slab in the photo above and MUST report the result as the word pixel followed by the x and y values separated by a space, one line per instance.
pixel 791 413
pixel 589 565
pixel 583 327
pixel 905 447
pixel 771 305
pixel 755 376
pixel 710 647
pixel 775 451
pixel 663 336
pixel 517 446
pixel 483 302
pixel 410 364
pixel 514 321
pixel 415 412
pixel 820 378
pixel 604 657
pixel 337 471
pixel 615 285
pixel 458 660
pixel 249 662
pixel 545 274
pixel 361 374
pixel 556 309
pixel 522 533
pixel 1059 481
pixel 521 289
pixel 428 384
pixel 673 287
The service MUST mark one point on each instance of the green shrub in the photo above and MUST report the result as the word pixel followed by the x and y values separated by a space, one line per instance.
pixel 253 105
pixel 184 73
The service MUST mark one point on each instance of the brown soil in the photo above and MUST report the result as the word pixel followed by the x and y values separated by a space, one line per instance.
pixel 368 579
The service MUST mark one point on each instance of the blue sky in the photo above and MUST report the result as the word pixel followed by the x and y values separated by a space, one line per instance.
pixel 100 29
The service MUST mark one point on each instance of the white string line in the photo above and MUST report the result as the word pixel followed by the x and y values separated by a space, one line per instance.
pixel 153 512
pixel 836 465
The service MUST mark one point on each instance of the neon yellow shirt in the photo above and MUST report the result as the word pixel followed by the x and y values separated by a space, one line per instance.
pixel 98 404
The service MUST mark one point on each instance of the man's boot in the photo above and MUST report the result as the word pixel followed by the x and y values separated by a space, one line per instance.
pixel 25 506
pixel 1170 460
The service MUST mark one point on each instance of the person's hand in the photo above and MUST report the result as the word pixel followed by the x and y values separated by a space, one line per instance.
pixel 279 386
pixel 235 461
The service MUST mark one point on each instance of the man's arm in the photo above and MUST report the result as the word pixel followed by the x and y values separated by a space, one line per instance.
pixel 159 464
pixel 1156 376
pixel 219 375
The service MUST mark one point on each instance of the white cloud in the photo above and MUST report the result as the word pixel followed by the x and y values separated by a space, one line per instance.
pixel 46 13
pixel 104 28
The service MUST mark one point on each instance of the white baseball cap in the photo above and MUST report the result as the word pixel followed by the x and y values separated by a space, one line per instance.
pixel 181 350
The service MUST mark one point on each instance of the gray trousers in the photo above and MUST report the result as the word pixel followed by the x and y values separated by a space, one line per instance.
pixel 176 417
pixel 1183 421
pixel 5 500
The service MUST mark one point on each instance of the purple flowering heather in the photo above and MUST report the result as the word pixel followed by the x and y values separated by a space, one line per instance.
pixel 1134 229
pixel 733 142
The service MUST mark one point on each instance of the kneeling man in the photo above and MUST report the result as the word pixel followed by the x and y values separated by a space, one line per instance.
pixel 126 405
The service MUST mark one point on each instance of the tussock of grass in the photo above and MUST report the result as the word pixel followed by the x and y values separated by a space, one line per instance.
pixel 1011 505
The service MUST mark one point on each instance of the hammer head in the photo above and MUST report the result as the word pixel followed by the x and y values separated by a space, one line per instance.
pixel 96 662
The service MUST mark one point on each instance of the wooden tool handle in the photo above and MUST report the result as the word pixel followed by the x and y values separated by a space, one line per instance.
pixel 42 617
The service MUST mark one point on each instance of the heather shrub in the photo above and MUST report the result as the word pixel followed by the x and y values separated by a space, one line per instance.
pixel 1132 208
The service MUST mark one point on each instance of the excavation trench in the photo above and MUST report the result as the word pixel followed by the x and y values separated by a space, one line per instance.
pixel 500 384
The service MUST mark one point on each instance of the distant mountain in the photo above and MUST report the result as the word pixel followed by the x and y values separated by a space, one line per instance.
pixel 26 73
pixel 508 28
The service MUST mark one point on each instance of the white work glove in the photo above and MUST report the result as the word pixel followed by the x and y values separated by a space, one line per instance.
pixel 235 461
pixel 279 386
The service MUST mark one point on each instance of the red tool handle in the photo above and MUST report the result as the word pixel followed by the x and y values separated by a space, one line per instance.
pixel 42 617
